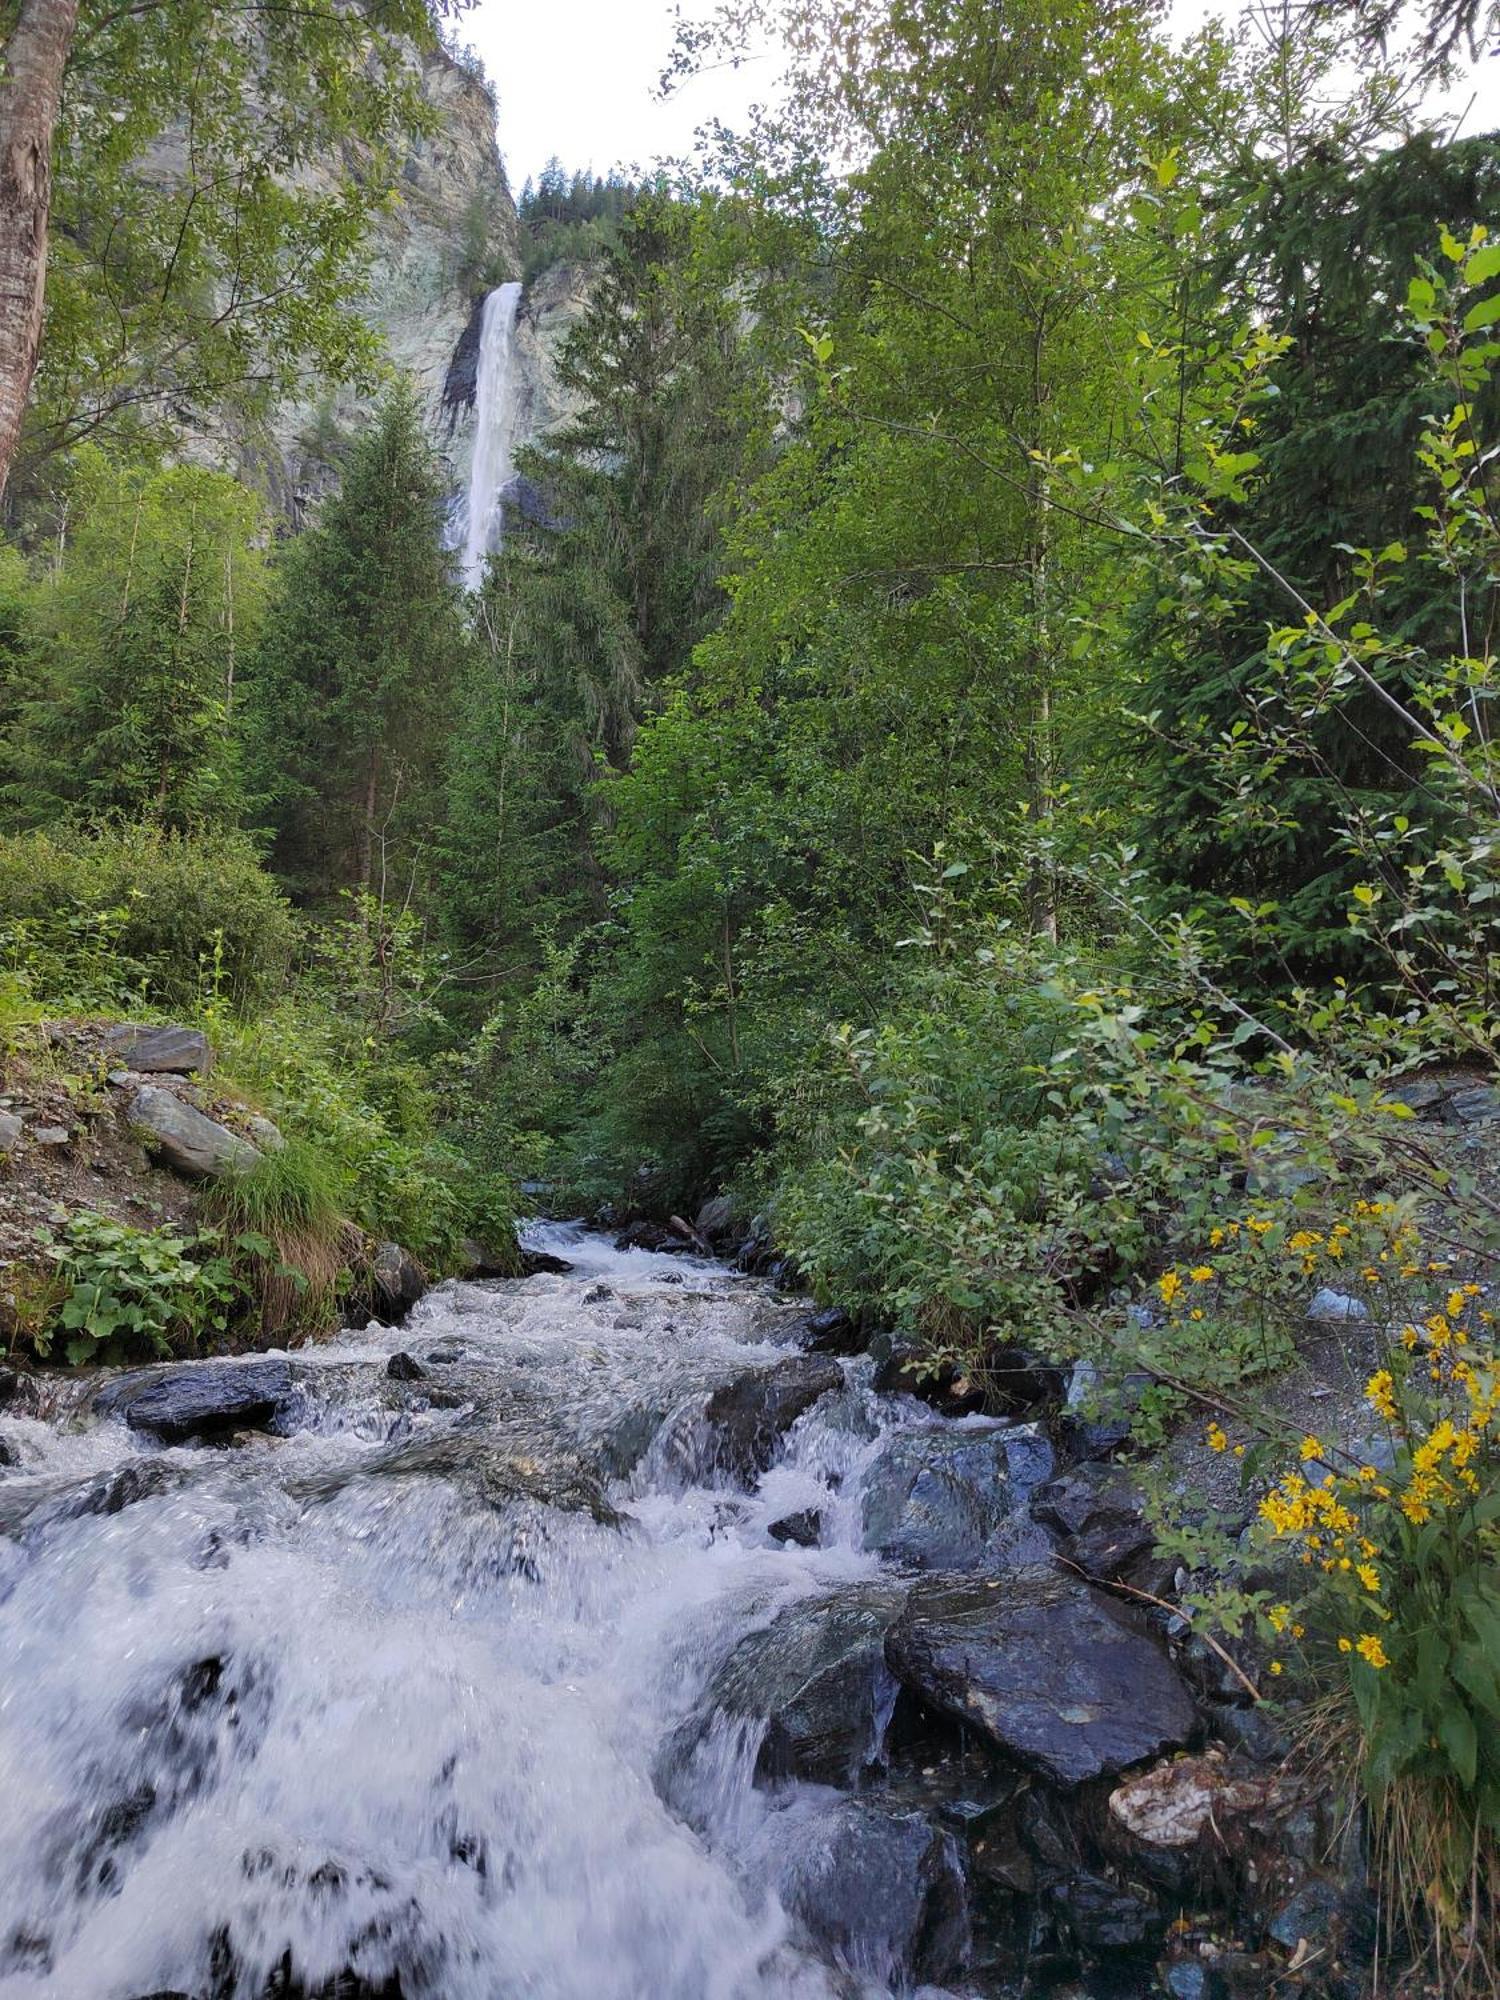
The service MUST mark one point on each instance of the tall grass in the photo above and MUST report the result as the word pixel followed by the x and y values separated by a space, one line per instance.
pixel 283 1213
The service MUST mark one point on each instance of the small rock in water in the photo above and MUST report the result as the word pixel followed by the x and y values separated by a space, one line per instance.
pixel 543 1264
pixel 403 1367
pixel 597 1294
pixel 833 1331
pixel 804 1529
pixel 202 1400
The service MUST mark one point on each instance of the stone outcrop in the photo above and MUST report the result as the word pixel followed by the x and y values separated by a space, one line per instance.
pixel 185 1138
pixel 1047 1670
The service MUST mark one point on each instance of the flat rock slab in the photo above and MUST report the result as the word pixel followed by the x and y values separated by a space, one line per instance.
pixel 204 1399
pixel 160 1051
pixel 187 1140
pixel 749 1416
pixel 1046 1669
pixel 953 1496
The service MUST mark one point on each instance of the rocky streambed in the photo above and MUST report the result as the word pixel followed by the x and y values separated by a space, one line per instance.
pixel 590 1638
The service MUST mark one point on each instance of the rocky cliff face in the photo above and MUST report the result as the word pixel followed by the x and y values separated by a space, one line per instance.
pixel 550 308
pixel 451 230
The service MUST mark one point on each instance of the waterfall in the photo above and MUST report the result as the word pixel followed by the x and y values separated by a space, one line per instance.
pixel 494 413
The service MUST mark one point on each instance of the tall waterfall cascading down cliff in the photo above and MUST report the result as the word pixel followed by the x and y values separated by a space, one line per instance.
pixel 493 432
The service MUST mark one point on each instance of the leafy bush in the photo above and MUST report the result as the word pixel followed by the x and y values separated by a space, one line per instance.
pixel 133 1292
pixel 129 916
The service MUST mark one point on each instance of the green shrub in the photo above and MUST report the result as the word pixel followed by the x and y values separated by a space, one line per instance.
pixel 128 917
pixel 133 1292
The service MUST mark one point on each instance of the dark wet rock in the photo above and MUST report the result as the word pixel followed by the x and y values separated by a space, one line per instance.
pixel 396 1282
pixel 185 1139
pixel 1047 1669
pixel 10 1383
pixel 159 1051
pixel 446 1357
pixel 816 1679
pixel 715 1222
pixel 542 1263
pixel 833 1331
pixel 404 1367
pixel 805 1530
pixel 953 1497
pixel 879 1892
pixel 654 1236
pixel 749 1416
pixel 204 1399
pixel 1099 1512
pixel 1314 1908
pixel 490 1260
pixel 500 1469
pixel 902 1372
pixel 1102 1918
pixel 596 1295
pixel 8 1458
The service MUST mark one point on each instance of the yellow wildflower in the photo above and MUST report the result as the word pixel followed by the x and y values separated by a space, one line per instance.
pixel 1369 1576
pixel 1310 1448
pixel 1380 1393
pixel 1201 1273
pixel 1217 1440
pixel 1169 1285
pixel 1371 1650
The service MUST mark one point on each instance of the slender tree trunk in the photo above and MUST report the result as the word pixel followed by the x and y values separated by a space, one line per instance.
pixel 30 94
pixel 365 857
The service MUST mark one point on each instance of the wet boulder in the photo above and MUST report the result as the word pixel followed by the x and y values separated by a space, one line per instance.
pixel 187 1140
pixel 204 1399
pixel 1099 1512
pixel 748 1417
pixel 833 1331
pixel 1046 1669
pixel 534 1264
pixel 404 1367
pixel 171 1051
pixel 953 1496
pixel 715 1222
pixel 878 1891
pixel 816 1682
pixel 396 1281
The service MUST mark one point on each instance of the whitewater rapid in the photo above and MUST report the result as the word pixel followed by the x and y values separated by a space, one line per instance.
pixel 381 1699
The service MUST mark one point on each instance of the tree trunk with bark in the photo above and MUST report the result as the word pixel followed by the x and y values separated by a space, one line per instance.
pixel 30 94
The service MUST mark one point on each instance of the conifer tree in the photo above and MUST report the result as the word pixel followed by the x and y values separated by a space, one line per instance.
pixel 352 683
pixel 136 632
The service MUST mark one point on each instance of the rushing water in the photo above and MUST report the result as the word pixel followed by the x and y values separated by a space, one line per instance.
pixel 387 1692
pixel 494 417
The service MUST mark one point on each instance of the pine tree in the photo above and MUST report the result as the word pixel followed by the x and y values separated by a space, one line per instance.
pixel 352 683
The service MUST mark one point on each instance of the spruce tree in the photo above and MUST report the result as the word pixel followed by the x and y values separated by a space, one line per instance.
pixel 352 684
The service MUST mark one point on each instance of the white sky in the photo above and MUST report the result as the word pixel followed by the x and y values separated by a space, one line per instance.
pixel 577 78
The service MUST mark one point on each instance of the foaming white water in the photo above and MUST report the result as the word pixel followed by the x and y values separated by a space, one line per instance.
pixel 383 1697
pixel 494 410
